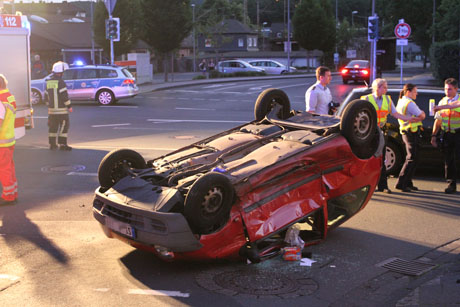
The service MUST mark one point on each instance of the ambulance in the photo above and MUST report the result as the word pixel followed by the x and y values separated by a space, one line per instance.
pixel 15 66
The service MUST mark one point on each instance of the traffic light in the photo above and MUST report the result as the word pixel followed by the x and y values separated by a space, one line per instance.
pixel 373 28
pixel 112 29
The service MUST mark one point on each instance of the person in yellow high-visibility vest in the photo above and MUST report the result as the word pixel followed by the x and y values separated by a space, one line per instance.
pixel 7 141
pixel 447 122
pixel 411 133
pixel 384 107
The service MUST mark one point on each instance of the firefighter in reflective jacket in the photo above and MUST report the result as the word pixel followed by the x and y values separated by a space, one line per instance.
pixel 448 121
pixel 59 107
pixel 384 106
pixel 7 141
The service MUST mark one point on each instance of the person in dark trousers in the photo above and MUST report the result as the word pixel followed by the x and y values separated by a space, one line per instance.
pixel 384 106
pixel 447 124
pixel 7 141
pixel 59 107
pixel 411 134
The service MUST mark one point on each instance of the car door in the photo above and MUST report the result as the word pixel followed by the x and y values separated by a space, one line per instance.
pixel 85 83
pixel 69 77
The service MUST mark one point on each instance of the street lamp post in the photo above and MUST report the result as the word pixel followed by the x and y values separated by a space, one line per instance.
pixel 263 35
pixel 194 52
pixel 352 14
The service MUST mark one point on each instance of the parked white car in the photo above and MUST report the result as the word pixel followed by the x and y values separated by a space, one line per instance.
pixel 272 67
pixel 232 66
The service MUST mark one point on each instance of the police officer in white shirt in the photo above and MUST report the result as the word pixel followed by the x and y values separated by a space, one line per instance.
pixel 318 96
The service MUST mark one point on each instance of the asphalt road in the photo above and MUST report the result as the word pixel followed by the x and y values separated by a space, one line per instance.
pixel 53 253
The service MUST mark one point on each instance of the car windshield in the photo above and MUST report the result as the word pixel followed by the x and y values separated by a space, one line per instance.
pixel 358 64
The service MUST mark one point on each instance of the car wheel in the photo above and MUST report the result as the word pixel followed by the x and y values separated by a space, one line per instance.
pixel 267 99
pixel 345 81
pixel 359 126
pixel 118 164
pixel 283 72
pixel 208 202
pixel 393 159
pixel 35 97
pixel 105 97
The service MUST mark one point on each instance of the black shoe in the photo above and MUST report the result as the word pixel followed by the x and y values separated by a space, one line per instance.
pixel 4 202
pixel 65 147
pixel 385 190
pixel 450 190
pixel 53 147
pixel 413 188
pixel 406 189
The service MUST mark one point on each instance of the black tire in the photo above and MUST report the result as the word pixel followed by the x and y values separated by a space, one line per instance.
pixel 35 97
pixel 359 126
pixel 208 203
pixel 345 81
pixel 267 99
pixel 105 97
pixel 117 164
pixel 393 158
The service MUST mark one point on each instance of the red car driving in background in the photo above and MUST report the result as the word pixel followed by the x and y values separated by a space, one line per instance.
pixel 356 70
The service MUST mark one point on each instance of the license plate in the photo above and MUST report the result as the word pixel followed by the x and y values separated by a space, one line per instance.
pixel 354 71
pixel 120 227
pixel 353 76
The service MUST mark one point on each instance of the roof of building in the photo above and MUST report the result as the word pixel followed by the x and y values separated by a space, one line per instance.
pixel 232 26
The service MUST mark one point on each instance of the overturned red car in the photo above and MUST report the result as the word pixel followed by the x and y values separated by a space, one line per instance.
pixel 235 194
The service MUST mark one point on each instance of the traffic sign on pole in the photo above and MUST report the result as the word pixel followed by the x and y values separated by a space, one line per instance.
pixel 110 4
pixel 402 30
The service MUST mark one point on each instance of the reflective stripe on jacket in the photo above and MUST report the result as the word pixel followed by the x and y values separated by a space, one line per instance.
pixel 450 117
pixel 58 99
pixel 384 110
pixel 7 129
pixel 405 125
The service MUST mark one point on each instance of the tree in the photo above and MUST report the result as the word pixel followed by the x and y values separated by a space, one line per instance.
pixel 448 20
pixel 129 13
pixel 167 24
pixel 417 13
pixel 314 25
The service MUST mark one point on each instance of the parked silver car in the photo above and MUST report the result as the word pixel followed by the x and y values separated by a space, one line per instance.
pixel 272 67
pixel 103 83
pixel 232 66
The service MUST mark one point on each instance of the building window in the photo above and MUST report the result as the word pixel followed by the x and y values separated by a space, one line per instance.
pixel 254 41
pixel 240 42
pixel 208 43
pixel 249 42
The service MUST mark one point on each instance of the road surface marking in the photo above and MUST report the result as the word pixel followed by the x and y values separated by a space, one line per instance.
pixel 40 117
pixel 81 174
pixel 158 292
pixel 9 277
pixel 259 87
pixel 111 125
pixel 129 107
pixel 195 109
pixel 102 289
pixel 219 85
pixel 155 120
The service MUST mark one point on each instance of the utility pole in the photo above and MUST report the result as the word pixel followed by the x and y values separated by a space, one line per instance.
pixel 289 37
pixel 194 50
pixel 373 50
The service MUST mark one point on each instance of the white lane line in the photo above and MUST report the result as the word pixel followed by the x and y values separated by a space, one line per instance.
pixel 146 128
pixel 110 125
pixel 40 117
pixel 118 147
pixel 259 87
pixel 155 120
pixel 81 174
pixel 198 99
pixel 195 109
pixel 218 85
pixel 9 277
pixel 128 107
pixel 158 292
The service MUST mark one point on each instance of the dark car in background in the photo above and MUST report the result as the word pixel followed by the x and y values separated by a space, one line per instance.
pixel 430 157
pixel 356 70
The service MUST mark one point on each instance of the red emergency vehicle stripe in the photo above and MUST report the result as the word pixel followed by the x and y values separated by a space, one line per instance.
pixel 19 122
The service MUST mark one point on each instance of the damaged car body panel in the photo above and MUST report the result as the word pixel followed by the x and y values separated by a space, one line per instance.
pixel 235 194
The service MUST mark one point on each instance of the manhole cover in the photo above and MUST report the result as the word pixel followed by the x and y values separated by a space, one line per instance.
pixel 62 168
pixel 254 283
pixel 257 283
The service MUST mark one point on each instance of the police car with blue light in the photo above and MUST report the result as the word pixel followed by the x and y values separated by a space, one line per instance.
pixel 102 83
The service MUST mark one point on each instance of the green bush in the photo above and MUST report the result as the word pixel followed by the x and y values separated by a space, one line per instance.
pixel 199 77
pixel 444 58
